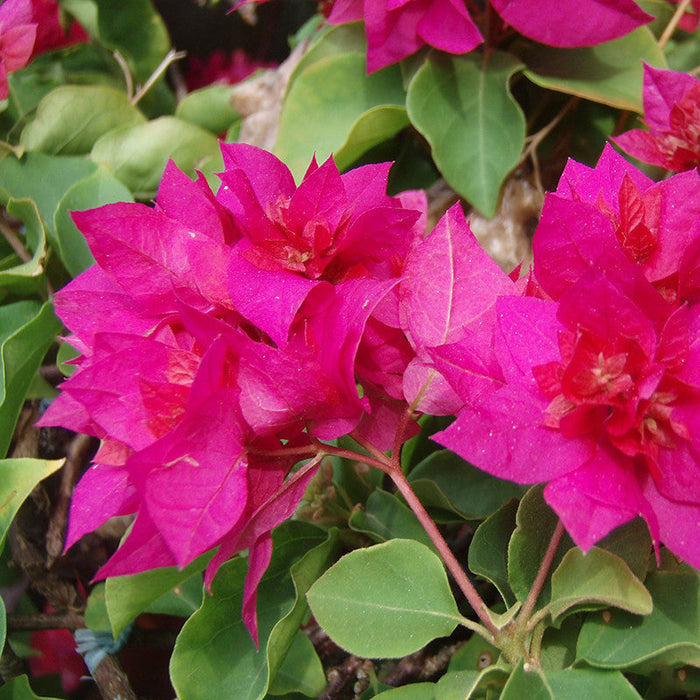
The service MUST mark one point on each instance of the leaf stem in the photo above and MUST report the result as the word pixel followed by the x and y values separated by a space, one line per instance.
pixel 671 26
pixel 534 594
pixel 170 57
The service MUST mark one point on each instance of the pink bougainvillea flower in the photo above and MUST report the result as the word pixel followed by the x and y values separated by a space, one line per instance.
pixel 595 389
pixel 395 29
pixel 691 18
pixel 189 383
pixel 631 222
pixel 17 36
pixel 297 242
pixel 672 113
pixel 221 68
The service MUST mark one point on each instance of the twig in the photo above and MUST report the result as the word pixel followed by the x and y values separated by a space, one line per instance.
pixel 13 239
pixel 127 74
pixel 671 26
pixel 170 57
pixel 44 621
pixel 78 451
pixel 112 681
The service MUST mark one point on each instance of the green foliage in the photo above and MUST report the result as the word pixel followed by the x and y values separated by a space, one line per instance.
pixel 385 601
pixel 19 689
pixel 27 330
pixel 609 73
pixel 214 652
pixel 464 108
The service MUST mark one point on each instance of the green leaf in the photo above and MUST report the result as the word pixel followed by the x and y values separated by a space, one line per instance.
pixel 3 624
pixel 27 330
pixel 214 652
pixel 182 600
pixel 632 543
pixel 19 689
pixel 71 118
pixel 488 551
pixel 209 108
pixel 385 601
pixel 27 277
pixel 670 635
pixel 590 684
pixel 472 493
pixel 44 179
pixel 414 691
pixel 301 671
pixel 593 580
pixel 96 617
pixel 535 525
pixel 420 446
pixel 610 73
pixel 84 64
pixel 463 107
pixel 385 518
pixel 95 190
pixel 18 477
pixel 335 107
pixel 136 30
pixel 138 155
pixel 558 650
pixel 462 685
pixel 127 597
pixel 527 683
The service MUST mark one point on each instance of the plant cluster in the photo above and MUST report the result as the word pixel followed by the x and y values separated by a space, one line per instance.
pixel 318 414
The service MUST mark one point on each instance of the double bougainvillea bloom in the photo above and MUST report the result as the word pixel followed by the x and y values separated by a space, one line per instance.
pixel 397 28
pixel 596 388
pixel 17 36
pixel 672 113
pixel 190 383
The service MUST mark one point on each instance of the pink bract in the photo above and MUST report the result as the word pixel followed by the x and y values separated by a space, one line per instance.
pixel 672 114
pixel 17 37
pixel 596 389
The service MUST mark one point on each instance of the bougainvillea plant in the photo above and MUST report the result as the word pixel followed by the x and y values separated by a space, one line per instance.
pixel 275 423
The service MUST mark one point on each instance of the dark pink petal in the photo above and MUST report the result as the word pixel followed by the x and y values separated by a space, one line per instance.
pixel 268 175
pixel 662 90
pixel 504 436
pixel 270 299
pixel 527 335
pixel 101 494
pixel 644 146
pixel 679 524
pixel 427 391
pixel 15 12
pixel 586 515
pixel 194 204
pixel 365 187
pixel 152 256
pixel 320 195
pixel 564 249
pixel 346 11
pixel 447 26
pixel 448 281
pixel 93 303
pixel 572 22
pixel 196 483
pixel 259 555
pixel 392 35
pixel 17 45
pixel 580 182
pixel 142 550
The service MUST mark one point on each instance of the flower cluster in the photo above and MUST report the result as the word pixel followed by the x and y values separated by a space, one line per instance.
pixel 586 376
pixel 218 339
pixel 672 113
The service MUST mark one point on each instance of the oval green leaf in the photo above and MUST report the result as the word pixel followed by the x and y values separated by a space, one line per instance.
pixel 301 671
pixel 214 652
pixel 593 580
pixel 462 685
pixel 138 155
pixel 610 73
pixel 414 691
pixel 527 683
pixel 385 601
pixel 71 118
pixel 209 108
pixel 27 330
pixel 590 684
pixel 19 689
pixel 670 635
pixel 326 111
pixel 93 191
pixel 463 107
